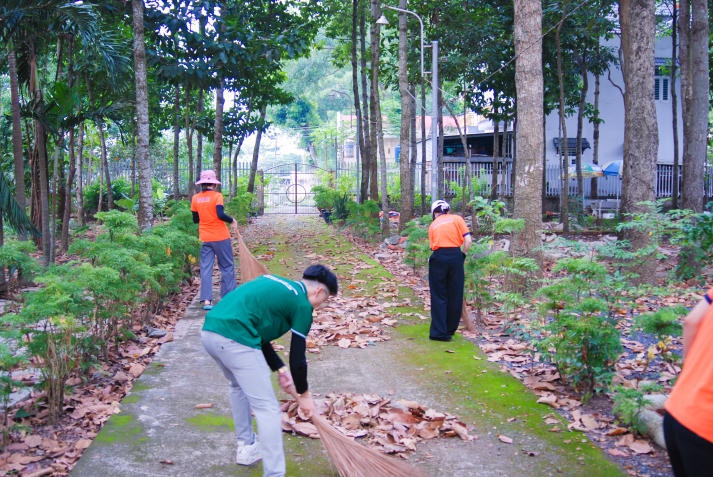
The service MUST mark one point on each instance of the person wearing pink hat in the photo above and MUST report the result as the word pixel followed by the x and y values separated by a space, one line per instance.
pixel 208 213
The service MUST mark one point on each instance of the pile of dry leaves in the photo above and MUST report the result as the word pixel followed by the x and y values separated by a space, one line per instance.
pixel 394 427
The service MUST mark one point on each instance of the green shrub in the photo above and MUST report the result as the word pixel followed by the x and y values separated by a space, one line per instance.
pixel 364 219
pixel 659 225
pixel 580 335
pixel 50 324
pixel 241 206
pixel 335 197
pixel 629 402
pixel 117 222
pixel 697 245
pixel 120 187
pixel 17 263
pixel 182 220
pixel 324 197
pixel 417 249
pixel 478 187
pixel 9 360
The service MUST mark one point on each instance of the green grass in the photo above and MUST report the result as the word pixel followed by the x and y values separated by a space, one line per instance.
pixel 492 401
pixel 121 428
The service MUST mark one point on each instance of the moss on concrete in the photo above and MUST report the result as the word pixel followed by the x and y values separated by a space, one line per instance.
pixel 121 428
pixel 211 422
pixel 491 401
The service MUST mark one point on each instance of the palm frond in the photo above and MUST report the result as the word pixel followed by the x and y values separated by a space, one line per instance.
pixel 12 213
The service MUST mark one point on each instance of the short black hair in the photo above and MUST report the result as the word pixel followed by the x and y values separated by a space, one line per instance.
pixel 323 275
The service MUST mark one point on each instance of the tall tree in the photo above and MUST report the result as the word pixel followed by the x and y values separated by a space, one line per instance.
pixel 641 139
pixel 563 138
pixel 20 198
pixel 145 214
pixel 674 103
pixel 407 117
pixel 695 88
pixel 529 135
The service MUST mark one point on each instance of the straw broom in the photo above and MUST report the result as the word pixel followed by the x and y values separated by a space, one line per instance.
pixel 349 457
pixel 355 460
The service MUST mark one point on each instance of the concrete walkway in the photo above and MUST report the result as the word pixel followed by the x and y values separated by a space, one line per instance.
pixel 161 430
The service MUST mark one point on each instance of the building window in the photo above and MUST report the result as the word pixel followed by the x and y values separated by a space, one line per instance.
pixel 660 85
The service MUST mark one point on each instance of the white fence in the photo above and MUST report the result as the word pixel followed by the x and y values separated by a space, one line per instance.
pixel 607 186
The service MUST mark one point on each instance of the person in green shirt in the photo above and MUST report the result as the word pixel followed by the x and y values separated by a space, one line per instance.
pixel 237 333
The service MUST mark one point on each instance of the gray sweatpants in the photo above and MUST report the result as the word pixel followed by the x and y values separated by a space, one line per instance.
pixel 250 388
pixel 223 250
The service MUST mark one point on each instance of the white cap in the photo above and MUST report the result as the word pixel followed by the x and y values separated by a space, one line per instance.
pixel 440 206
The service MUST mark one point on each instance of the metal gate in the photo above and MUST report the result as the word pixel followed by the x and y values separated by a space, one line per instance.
pixel 288 189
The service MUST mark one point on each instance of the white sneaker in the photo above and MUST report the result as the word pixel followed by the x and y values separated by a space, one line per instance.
pixel 248 454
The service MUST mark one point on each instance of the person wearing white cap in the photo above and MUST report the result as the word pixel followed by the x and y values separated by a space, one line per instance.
pixel 208 213
pixel 450 239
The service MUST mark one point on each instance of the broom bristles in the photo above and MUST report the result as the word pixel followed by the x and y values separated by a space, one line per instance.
pixel 349 457
pixel 250 268
pixel 355 460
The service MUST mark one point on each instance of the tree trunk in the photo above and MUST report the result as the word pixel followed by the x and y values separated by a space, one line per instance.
pixel 563 140
pixel 359 149
pixel 19 172
pixel 674 104
pixel 64 236
pixel 218 133
pixel 374 132
pixel 145 215
pixel 256 151
pixel 176 139
pixel 366 153
pixel 105 166
pixel 694 76
pixel 527 195
pixel 190 129
pixel 467 180
pixel 408 207
pixel 199 138
pixel 422 111
pixel 376 114
pixel 40 173
pixel 595 134
pixel 496 159
pixel 234 164
pixel 580 126
pixel 79 192
pixel 407 116
pixel 640 127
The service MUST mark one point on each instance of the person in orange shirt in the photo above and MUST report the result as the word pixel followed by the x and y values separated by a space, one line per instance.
pixel 688 422
pixel 450 240
pixel 208 213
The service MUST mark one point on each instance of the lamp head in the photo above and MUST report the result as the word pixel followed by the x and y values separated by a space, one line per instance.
pixel 382 20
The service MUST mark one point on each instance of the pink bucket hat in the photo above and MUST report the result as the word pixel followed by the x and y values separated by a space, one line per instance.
pixel 208 177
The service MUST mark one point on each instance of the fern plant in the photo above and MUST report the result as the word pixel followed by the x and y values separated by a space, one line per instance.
pixel 417 248
pixel 579 335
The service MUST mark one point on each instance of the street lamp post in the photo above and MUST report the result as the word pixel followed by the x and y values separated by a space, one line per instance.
pixel 434 88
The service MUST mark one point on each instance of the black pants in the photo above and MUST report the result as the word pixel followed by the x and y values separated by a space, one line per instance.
pixel 445 279
pixel 690 454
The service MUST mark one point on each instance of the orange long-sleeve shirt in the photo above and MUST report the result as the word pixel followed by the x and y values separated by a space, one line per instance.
pixel 210 227
pixel 447 230
pixel 691 400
